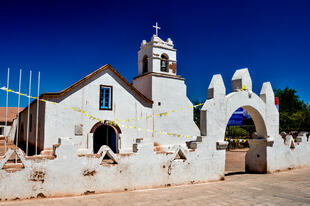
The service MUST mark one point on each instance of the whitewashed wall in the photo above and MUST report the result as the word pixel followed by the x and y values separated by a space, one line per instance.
pixel 61 121
pixel 171 93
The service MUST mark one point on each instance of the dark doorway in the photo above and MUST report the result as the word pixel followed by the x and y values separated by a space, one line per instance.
pixel 104 135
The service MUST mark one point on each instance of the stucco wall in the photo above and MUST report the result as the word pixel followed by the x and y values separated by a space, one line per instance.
pixel 126 105
pixel 82 174
pixel 171 94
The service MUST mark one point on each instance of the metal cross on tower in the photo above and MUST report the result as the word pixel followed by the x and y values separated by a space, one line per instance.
pixel 156 28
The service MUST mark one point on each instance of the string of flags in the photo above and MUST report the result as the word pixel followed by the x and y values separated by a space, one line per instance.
pixel 117 121
pixel 236 140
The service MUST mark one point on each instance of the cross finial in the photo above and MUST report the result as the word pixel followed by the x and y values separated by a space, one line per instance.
pixel 156 28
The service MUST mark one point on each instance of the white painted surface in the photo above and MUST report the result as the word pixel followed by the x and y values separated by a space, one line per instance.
pixel 125 106
pixel 153 50
pixel 269 152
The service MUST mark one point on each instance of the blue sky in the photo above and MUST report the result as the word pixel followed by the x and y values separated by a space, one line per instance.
pixel 66 40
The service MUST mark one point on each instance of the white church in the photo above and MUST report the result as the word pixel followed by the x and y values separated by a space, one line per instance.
pixel 103 108
pixel 148 124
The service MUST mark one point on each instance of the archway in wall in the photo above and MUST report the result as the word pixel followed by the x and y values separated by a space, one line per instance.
pixel 105 134
pixel 244 125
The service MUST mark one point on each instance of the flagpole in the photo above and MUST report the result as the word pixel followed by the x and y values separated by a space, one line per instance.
pixel 6 109
pixel 18 103
pixel 28 114
pixel 37 118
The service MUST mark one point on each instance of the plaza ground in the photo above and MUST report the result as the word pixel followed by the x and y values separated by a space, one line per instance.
pixel 290 187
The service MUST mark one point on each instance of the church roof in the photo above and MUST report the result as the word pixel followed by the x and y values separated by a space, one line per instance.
pixel 105 67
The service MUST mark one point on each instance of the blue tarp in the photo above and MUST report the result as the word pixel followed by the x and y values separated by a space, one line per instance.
pixel 237 118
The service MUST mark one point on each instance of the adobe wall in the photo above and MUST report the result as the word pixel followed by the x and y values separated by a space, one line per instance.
pixel 72 174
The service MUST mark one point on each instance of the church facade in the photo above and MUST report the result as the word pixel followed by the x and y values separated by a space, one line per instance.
pixel 103 108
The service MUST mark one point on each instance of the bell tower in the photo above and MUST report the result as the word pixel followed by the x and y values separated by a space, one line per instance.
pixel 155 58
pixel 157 80
pixel 157 55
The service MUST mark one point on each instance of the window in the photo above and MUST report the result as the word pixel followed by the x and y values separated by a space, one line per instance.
pixel 1 131
pixel 145 64
pixel 105 97
pixel 164 63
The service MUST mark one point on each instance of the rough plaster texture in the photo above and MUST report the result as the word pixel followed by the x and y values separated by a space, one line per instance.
pixel 70 174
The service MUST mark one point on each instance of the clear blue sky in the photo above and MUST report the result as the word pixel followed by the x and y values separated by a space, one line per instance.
pixel 67 40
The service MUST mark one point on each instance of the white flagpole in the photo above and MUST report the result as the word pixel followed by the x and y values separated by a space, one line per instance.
pixel 37 118
pixel 18 103
pixel 28 113
pixel 6 109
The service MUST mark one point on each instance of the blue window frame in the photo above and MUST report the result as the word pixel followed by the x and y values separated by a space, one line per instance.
pixel 105 97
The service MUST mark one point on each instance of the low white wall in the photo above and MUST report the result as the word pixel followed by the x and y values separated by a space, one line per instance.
pixel 69 174
pixel 281 156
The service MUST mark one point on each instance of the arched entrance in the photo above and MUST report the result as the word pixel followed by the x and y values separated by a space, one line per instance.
pixel 254 159
pixel 105 134
pixel 240 130
pixel 219 107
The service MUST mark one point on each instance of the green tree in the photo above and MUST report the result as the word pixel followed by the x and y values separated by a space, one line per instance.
pixel 294 113
pixel 197 112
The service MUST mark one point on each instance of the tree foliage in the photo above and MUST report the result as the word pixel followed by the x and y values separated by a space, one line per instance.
pixel 197 112
pixel 294 113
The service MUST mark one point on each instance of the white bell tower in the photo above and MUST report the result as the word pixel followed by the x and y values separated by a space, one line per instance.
pixel 157 80
pixel 155 58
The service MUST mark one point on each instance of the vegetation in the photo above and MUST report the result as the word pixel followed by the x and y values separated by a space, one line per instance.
pixel 294 113
pixel 238 131
pixel 197 112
